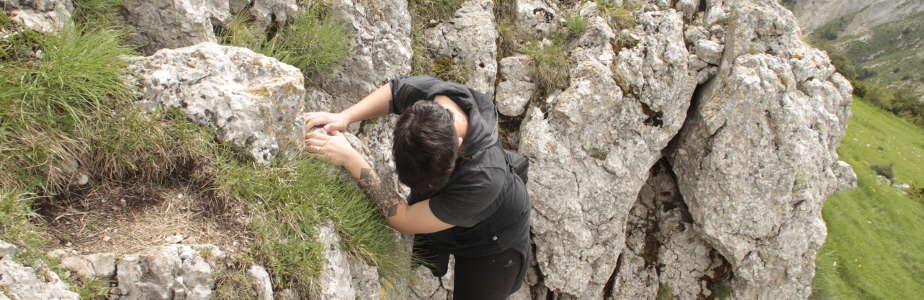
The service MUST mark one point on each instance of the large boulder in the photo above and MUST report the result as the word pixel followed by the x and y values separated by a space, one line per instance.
pixel 39 15
pixel 591 145
pixel 158 24
pixel 169 272
pixel 469 38
pixel 21 282
pixel 344 276
pixel 757 158
pixel 251 100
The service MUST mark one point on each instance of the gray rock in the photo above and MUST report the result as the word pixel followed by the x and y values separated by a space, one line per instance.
pixel 158 24
pixel 469 38
pixel 768 125
pixel 516 86
pixel 381 39
pixel 7 250
pixel 591 150
pixel 168 272
pixel 99 265
pixel 261 282
pixel 250 99
pixel 267 13
pixel 538 18
pixel 343 276
pixel 39 15
pixel 27 283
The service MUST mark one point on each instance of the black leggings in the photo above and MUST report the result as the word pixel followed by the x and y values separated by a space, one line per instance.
pixel 487 278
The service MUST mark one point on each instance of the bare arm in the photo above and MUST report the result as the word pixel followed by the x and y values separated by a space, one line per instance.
pixel 374 105
pixel 417 218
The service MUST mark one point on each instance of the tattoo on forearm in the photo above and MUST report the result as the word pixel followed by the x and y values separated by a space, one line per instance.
pixel 380 192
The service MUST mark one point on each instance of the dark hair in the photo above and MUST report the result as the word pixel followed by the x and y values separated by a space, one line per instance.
pixel 425 148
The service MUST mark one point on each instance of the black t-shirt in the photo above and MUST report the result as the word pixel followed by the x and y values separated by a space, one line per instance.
pixel 486 202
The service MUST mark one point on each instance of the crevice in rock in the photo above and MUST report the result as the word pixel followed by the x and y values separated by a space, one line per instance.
pixel 692 117
pixel 654 118
pixel 608 287
pixel 719 282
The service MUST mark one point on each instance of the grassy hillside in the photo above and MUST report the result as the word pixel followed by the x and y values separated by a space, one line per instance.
pixel 875 248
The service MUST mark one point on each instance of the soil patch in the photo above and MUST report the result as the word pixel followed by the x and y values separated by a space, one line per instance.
pixel 127 218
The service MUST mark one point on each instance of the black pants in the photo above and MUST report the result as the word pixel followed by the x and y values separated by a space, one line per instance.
pixel 487 278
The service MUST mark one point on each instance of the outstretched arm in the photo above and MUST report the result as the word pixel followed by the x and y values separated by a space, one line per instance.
pixel 374 105
pixel 417 218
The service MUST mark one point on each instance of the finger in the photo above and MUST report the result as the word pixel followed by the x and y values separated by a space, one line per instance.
pixel 317 120
pixel 330 129
pixel 316 142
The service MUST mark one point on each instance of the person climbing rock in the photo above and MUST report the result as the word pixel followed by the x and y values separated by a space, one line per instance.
pixel 465 199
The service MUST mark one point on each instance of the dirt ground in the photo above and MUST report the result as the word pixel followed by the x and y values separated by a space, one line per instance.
pixel 126 218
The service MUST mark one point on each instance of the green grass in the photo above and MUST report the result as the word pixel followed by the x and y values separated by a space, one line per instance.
pixel 315 41
pixel 98 13
pixel 69 111
pixel 293 198
pixel 874 248
pixel 424 11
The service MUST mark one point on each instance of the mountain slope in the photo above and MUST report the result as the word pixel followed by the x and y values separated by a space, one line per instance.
pixel 873 249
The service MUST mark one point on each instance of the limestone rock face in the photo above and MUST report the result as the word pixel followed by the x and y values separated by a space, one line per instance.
pixel 516 87
pixel 169 272
pixel 381 38
pixel 538 18
pixel 27 283
pixel 343 276
pixel 757 158
pixel 97 265
pixel 592 146
pixel 39 15
pixel 469 38
pixel 161 24
pixel 267 13
pixel 261 282
pixel 250 99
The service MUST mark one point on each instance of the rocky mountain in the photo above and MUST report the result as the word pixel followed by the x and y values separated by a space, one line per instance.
pixel 857 16
pixel 882 40
pixel 688 152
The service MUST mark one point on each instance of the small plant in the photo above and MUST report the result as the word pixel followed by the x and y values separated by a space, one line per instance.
pixel 425 11
pixel 620 17
pixel 315 41
pixel 574 26
pixel 92 288
pixel 97 13
pixel 450 70
pixel 884 170
pixel 550 64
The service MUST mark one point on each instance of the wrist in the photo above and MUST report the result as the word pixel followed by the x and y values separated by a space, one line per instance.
pixel 355 163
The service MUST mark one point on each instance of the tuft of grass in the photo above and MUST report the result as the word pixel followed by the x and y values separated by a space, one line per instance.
pixel 80 71
pixel 16 226
pixel 884 170
pixel 550 64
pixel 873 249
pixel 314 41
pixel 93 288
pixel 425 11
pixel 665 293
pixel 574 26
pixel 315 44
pixel 98 13
pixel 449 70
pixel 619 17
